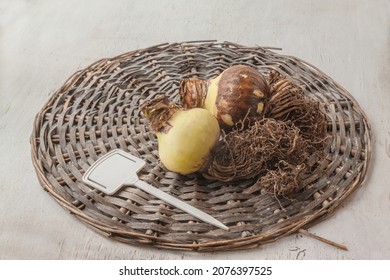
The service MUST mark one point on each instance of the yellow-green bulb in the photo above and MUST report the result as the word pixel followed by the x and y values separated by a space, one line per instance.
pixel 186 144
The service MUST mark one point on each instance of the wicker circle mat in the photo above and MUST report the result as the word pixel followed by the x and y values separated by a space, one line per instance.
pixel 97 110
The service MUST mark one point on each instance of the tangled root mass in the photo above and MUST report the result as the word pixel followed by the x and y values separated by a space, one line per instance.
pixel 275 149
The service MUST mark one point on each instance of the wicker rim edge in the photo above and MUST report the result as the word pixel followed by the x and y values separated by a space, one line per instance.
pixel 238 243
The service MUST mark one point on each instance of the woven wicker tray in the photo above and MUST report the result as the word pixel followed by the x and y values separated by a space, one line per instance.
pixel 97 110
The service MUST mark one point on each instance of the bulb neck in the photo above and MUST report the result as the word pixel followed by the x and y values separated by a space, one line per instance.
pixel 158 111
pixel 193 92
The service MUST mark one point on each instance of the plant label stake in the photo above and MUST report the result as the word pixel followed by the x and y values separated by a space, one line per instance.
pixel 118 168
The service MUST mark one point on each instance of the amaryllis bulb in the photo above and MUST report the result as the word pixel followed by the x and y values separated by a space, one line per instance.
pixel 185 138
pixel 238 92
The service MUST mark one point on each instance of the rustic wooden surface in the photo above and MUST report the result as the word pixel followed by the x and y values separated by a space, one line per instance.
pixel 43 42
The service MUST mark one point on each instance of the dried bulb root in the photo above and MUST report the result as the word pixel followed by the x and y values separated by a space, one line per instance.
pixel 289 103
pixel 278 150
pixel 284 180
pixel 246 153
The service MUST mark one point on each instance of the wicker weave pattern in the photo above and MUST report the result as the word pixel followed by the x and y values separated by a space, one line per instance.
pixel 97 110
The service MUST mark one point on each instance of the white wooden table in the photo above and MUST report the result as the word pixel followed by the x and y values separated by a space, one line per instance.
pixel 43 42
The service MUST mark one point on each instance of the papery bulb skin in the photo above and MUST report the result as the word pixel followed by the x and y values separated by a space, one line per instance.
pixel 237 93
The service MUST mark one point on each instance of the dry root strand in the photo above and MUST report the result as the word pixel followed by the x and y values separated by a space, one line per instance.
pixel 275 149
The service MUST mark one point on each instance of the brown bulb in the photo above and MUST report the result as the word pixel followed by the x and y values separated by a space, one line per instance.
pixel 238 92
